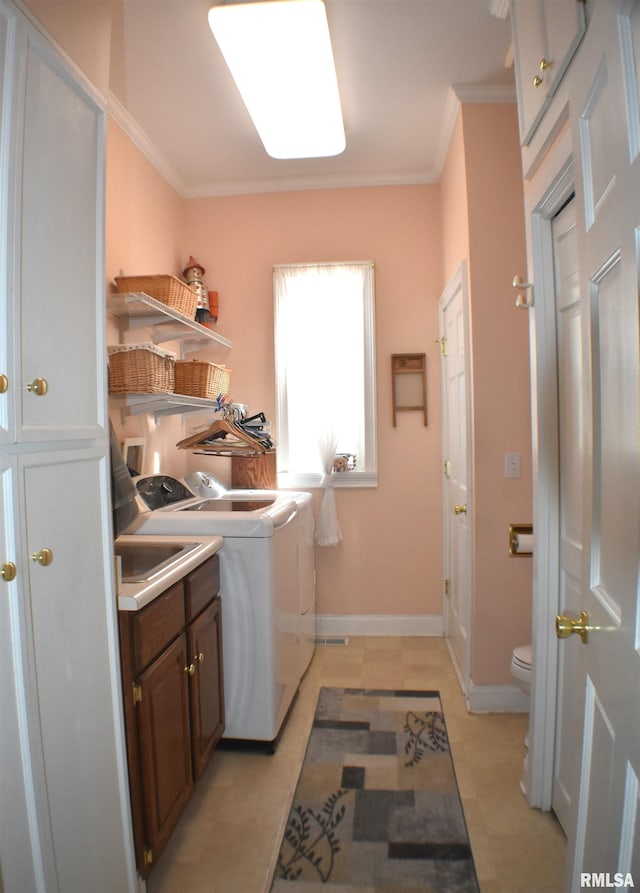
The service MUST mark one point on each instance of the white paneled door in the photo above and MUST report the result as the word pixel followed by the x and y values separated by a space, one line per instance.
pixel 456 445
pixel 606 133
pixel 596 758
pixel 570 372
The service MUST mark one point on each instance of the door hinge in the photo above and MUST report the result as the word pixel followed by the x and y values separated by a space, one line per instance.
pixel 447 468
pixel 148 856
pixel 443 347
pixel 137 693
pixel 447 588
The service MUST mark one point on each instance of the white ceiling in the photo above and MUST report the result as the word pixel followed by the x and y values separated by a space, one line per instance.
pixel 396 60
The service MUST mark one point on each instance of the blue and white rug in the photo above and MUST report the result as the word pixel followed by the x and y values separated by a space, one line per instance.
pixel 377 806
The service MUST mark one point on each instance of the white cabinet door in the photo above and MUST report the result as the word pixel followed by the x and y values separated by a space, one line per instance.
pixel 21 850
pixel 59 279
pixel 77 683
pixel 546 34
pixel 7 81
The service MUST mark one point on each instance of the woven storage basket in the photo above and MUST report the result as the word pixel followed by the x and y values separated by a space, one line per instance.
pixel 199 379
pixel 168 289
pixel 140 369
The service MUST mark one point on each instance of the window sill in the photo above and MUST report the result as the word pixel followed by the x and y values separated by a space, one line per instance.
pixel 340 480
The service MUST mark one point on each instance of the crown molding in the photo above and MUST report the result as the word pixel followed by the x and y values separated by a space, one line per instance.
pixel 485 93
pixel 138 136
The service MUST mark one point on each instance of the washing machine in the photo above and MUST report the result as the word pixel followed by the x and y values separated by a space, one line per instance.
pixel 267 587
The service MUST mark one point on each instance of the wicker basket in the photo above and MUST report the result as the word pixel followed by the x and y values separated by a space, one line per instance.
pixel 199 379
pixel 140 369
pixel 168 289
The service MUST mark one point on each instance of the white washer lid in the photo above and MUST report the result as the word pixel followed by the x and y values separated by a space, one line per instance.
pixel 523 655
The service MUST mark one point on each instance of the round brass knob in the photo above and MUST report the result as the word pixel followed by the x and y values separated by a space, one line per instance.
pixel 190 669
pixel 4 383
pixel 38 386
pixel 537 81
pixel 8 571
pixel 199 657
pixel 459 510
pixel 569 626
pixel 544 64
pixel 43 557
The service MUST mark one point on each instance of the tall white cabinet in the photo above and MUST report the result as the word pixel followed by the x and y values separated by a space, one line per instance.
pixel 64 803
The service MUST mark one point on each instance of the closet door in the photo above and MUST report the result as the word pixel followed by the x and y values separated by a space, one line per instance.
pixel 59 277
pixel 73 648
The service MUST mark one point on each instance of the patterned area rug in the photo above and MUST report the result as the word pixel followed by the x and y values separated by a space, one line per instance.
pixel 377 805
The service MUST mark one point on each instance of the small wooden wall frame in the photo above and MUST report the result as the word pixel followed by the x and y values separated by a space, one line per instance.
pixel 409 384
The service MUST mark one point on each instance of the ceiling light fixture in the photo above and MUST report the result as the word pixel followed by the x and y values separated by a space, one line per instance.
pixel 279 53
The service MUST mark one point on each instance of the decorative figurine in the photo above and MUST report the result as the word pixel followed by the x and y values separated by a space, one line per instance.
pixel 193 274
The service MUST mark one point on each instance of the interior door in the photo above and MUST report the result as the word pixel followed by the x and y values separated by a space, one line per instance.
pixel 606 134
pixel 453 310
pixel 570 375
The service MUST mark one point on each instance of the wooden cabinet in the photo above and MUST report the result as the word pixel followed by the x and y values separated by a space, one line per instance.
pixel 63 784
pixel 546 34
pixel 171 656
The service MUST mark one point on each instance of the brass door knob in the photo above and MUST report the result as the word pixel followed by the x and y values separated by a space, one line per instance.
pixel 43 557
pixel 537 81
pixel 459 510
pixel 199 657
pixel 569 626
pixel 190 669
pixel 4 383
pixel 8 571
pixel 39 387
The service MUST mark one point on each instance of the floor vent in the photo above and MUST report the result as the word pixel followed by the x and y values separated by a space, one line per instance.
pixel 331 640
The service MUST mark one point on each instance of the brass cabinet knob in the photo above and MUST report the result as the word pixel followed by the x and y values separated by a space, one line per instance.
pixel 190 669
pixel 545 64
pixel 43 557
pixel 4 383
pixel 537 81
pixel 199 657
pixel 39 387
pixel 8 571
pixel 459 510
pixel 569 626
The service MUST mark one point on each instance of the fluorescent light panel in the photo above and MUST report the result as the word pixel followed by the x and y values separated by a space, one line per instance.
pixel 279 53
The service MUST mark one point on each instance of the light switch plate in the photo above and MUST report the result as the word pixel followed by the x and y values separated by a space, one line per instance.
pixel 512 465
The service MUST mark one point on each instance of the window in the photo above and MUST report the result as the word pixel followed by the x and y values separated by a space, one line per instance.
pixel 325 372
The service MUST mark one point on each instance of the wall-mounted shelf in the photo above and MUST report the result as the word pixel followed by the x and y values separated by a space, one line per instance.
pixel 161 404
pixel 138 310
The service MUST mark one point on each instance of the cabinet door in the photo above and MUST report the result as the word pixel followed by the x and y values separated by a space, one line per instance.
pixel 165 743
pixel 59 276
pixel 22 851
pixel 546 34
pixel 207 691
pixel 74 702
pixel 7 84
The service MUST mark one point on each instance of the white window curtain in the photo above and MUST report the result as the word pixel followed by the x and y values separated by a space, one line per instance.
pixel 320 365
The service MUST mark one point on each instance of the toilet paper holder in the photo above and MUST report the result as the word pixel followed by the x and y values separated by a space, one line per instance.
pixel 521 540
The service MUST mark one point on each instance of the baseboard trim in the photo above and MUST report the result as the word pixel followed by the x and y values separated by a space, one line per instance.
pixel 497 699
pixel 379 625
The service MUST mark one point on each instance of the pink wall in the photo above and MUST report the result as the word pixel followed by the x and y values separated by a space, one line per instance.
pixel 390 559
pixel 485 218
pixel 144 219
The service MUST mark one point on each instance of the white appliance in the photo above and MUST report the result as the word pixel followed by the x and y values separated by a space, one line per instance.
pixel 267 587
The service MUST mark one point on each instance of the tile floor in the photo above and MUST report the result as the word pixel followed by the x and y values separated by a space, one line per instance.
pixel 227 840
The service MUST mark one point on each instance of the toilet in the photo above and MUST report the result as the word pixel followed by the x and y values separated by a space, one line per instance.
pixel 521 672
pixel 521 667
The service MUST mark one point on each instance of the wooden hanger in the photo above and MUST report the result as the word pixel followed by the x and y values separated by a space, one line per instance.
pixel 216 439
